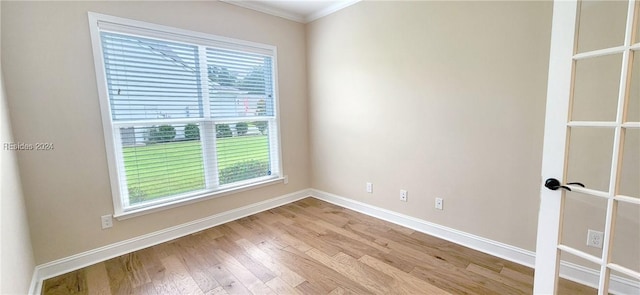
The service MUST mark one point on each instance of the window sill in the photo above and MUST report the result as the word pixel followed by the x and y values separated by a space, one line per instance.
pixel 198 198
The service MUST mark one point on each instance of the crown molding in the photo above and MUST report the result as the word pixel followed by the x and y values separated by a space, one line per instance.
pixel 261 7
pixel 329 10
pixel 257 6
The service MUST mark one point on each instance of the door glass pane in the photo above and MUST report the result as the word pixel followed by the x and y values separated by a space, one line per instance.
pixel 637 38
pixel 630 170
pixel 601 24
pixel 566 287
pixel 633 105
pixel 626 239
pixel 616 275
pixel 590 152
pixel 597 81
pixel 582 213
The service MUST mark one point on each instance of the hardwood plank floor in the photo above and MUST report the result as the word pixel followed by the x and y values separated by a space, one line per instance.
pixel 306 247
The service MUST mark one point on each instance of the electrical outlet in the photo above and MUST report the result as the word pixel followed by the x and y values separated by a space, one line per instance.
pixel 369 187
pixel 439 203
pixel 595 238
pixel 286 179
pixel 403 195
pixel 107 221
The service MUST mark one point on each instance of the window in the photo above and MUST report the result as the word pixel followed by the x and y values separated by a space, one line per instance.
pixel 186 115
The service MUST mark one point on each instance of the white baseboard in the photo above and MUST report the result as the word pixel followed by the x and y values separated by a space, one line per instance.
pixel 570 271
pixel 77 261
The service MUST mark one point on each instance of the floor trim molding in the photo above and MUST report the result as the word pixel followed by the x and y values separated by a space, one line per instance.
pixel 570 271
pixel 80 260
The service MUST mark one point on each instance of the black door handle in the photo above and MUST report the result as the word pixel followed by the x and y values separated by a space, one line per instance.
pixel 554 184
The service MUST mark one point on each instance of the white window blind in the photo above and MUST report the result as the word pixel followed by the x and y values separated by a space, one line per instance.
pixel 148 79
pixel 255 84
pixel 185 119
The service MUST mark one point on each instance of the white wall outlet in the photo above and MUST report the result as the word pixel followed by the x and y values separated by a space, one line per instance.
pixel 439 203
pixel 595 238
pixel 369 187
pixel 286 179
pixel 403 195
pixel 107 221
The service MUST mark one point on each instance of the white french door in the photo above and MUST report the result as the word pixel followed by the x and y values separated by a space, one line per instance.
pixel 591 154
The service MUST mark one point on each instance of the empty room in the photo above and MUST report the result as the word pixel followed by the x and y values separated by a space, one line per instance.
pixel 320 147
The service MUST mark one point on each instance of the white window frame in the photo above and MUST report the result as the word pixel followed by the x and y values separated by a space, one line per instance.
pixel 122 210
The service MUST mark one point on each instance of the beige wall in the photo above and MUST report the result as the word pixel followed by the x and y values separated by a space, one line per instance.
pixel 52 94
pixel 444 99
pixel 16 254
pixel 447 99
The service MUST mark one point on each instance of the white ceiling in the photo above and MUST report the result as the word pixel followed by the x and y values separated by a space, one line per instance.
pixel 302 11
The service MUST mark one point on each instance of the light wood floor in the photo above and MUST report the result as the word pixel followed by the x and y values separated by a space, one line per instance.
pixel 307 247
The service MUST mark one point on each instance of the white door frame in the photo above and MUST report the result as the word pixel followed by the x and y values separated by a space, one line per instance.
pixel 553 158
pixel 560 80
